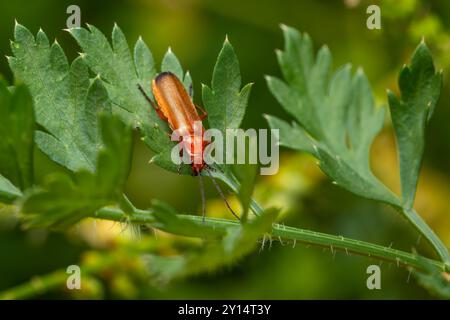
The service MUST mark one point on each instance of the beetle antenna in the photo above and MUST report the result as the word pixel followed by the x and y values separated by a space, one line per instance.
pixel 202 193
pixel 147 98
pixel 221 194
pixel 145 94
pixel 153 104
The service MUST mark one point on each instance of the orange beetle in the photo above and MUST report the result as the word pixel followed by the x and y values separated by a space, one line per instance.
pixel 174 105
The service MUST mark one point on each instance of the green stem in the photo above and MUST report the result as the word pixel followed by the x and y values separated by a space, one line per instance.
pixel 418 223
pixel 284 234
pixel 350 246
pixel 36 286
pixel 39 285
pixel 410 214
pixel 424 229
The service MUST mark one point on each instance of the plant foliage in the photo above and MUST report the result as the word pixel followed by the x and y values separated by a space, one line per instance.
pixel 64 200
pixel 336 120
pixel 85 111
pixel 16 143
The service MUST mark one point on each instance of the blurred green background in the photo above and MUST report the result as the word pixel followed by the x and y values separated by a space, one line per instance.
pixel 195 30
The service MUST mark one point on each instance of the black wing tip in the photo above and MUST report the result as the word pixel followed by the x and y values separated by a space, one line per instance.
pixel 164 74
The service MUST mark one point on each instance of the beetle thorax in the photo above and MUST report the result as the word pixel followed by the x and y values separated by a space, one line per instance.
pixel 193 143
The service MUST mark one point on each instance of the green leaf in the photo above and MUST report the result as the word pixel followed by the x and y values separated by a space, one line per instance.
pixel 144 63
pixel 64 200
pixel 170 63
pixel 121 74
pixel 225 102
pixel 66 101
pixel 238 242
pixel 335 115
pixel 188 84
pixel 17 137
pixel 291 135
pixel 420 88
pixel 8 192
pixel 337 121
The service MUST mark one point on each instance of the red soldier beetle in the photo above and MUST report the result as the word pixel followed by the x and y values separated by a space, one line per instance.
pixel 175 106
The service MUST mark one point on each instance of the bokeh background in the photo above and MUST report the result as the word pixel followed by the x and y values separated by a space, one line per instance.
pixel 195 30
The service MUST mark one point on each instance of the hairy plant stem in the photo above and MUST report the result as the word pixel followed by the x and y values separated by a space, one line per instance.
pixel 286 235
pixel 294 235
pixel 410 214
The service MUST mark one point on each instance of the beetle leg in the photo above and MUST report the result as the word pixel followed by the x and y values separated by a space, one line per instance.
pixel 181 152
pixel 154 105
pixel 205 143
pixel 161 115
pixel 202 193
pixel 203 111
pixel 222 194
